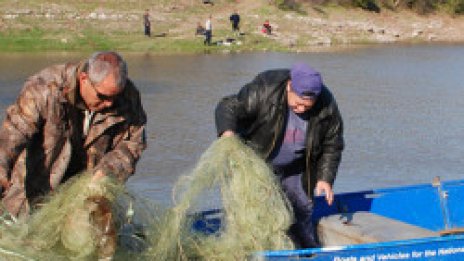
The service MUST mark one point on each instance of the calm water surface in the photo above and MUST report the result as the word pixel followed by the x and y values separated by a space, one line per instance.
pixel 402 107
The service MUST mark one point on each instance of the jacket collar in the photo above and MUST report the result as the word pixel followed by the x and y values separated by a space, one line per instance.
pixel 71 85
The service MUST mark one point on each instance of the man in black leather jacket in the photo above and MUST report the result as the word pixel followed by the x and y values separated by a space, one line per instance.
pixel 292 120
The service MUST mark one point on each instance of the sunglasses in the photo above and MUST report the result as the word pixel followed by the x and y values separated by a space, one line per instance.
pixel 100 95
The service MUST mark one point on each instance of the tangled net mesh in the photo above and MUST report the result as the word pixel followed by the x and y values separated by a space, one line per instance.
pixel 60 229
pixel 254 215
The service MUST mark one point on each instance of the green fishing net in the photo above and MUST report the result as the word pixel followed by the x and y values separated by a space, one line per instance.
pixel 61 228
pixel 253 212
pixel 255 217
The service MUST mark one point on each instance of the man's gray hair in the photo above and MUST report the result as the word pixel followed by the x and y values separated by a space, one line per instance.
pixel 101 64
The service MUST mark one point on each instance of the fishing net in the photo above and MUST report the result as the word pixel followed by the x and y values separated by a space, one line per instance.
pixel 256 214
pixel 66 226
pixel 85 220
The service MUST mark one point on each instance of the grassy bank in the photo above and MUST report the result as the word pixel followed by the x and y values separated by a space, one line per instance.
pixel 65 25
pixel 38 40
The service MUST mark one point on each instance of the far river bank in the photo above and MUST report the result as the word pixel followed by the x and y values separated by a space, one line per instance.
pixel 86 26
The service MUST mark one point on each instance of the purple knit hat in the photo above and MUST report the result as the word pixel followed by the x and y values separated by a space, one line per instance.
pixel 305 80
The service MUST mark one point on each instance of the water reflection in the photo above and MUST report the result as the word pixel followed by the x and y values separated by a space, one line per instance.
pixel 401 105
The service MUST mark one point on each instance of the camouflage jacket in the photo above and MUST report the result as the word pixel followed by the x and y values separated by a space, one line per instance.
pixel 40 129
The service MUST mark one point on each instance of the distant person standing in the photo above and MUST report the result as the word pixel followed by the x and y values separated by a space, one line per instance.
pixel 208 31
pixel 235 21
pixel 147 23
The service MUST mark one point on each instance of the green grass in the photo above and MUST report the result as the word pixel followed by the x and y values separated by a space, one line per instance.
pixel 88 38
pixel 38 40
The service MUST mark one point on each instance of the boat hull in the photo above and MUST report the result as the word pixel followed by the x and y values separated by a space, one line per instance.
pixel 433 207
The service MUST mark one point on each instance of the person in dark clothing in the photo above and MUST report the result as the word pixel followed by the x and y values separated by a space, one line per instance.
pixel 290 118
pixel 235 21
pixel 200 30
pixel 208 31
pixel 147 23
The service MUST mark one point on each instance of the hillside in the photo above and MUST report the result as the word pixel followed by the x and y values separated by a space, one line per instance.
pixel 116 24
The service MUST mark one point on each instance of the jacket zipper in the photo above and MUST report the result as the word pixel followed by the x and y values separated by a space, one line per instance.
pixel 308 155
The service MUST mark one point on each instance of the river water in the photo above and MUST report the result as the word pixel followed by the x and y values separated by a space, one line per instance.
pixel 402 107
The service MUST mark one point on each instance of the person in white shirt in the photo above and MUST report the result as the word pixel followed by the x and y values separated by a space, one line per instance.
pixel 208 31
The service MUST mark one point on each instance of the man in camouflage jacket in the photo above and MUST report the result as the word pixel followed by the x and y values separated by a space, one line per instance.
pixel 69 118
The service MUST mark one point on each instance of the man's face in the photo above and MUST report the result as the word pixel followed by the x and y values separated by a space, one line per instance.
pixel 99 96
pixel 296 103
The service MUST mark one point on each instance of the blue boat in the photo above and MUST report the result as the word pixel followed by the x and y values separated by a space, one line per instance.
pixel 420 222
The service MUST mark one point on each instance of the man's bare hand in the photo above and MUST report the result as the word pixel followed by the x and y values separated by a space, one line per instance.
pixel 98 175
pixel 325 188
pixel 228 133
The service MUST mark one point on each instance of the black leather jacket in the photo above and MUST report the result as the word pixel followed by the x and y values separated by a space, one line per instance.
pixel 257 114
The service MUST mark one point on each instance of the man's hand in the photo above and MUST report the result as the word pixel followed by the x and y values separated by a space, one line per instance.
pixel 98 175
pixel 325 188
pixel 228 133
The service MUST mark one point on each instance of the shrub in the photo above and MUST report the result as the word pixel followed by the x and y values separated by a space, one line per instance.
pixel 456 6
pixel 370 5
